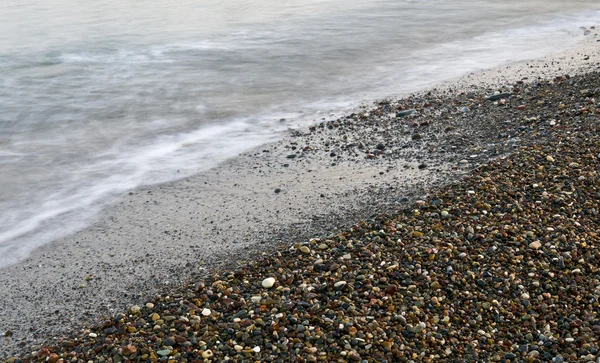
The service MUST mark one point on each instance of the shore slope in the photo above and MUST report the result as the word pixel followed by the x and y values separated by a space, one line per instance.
pixel 376 160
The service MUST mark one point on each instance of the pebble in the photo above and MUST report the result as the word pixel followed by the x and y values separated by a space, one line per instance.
pixel 128 350
pixel 498 96
pixel 305 250
pixel 406 113
pixel 340 284
pixel 206 312
pixel 268 282
pixel 164 352
pixel 535 245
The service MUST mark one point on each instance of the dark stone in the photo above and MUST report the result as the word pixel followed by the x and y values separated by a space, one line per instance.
pixel 498 96
pixel 406 113
pixel 242 314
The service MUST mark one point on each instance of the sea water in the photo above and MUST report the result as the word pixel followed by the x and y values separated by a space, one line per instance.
pixel 100 97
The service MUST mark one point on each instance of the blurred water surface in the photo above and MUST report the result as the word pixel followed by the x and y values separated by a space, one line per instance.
pixel 99 97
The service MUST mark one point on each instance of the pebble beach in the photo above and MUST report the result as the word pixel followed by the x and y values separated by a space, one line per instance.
pixel 466 229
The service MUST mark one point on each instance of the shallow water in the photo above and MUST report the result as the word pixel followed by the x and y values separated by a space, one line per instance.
pixel 97 98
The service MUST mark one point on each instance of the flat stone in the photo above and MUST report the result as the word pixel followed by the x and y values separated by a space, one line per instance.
pixel 499 96
pixel 406 113
pixel 535 245
pixel 164 352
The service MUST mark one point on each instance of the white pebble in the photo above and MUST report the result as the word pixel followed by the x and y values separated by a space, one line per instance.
pixel 206 312
pixel 256 349
pixel 268 282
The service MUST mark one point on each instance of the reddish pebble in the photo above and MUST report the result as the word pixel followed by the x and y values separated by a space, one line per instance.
pixel 129 349
pixel 391 290
pixel 44 352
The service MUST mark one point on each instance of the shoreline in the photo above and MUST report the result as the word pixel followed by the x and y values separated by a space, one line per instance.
pixel 234 209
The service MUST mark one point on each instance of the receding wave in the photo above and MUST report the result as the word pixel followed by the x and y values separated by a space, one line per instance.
pixel 83 122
